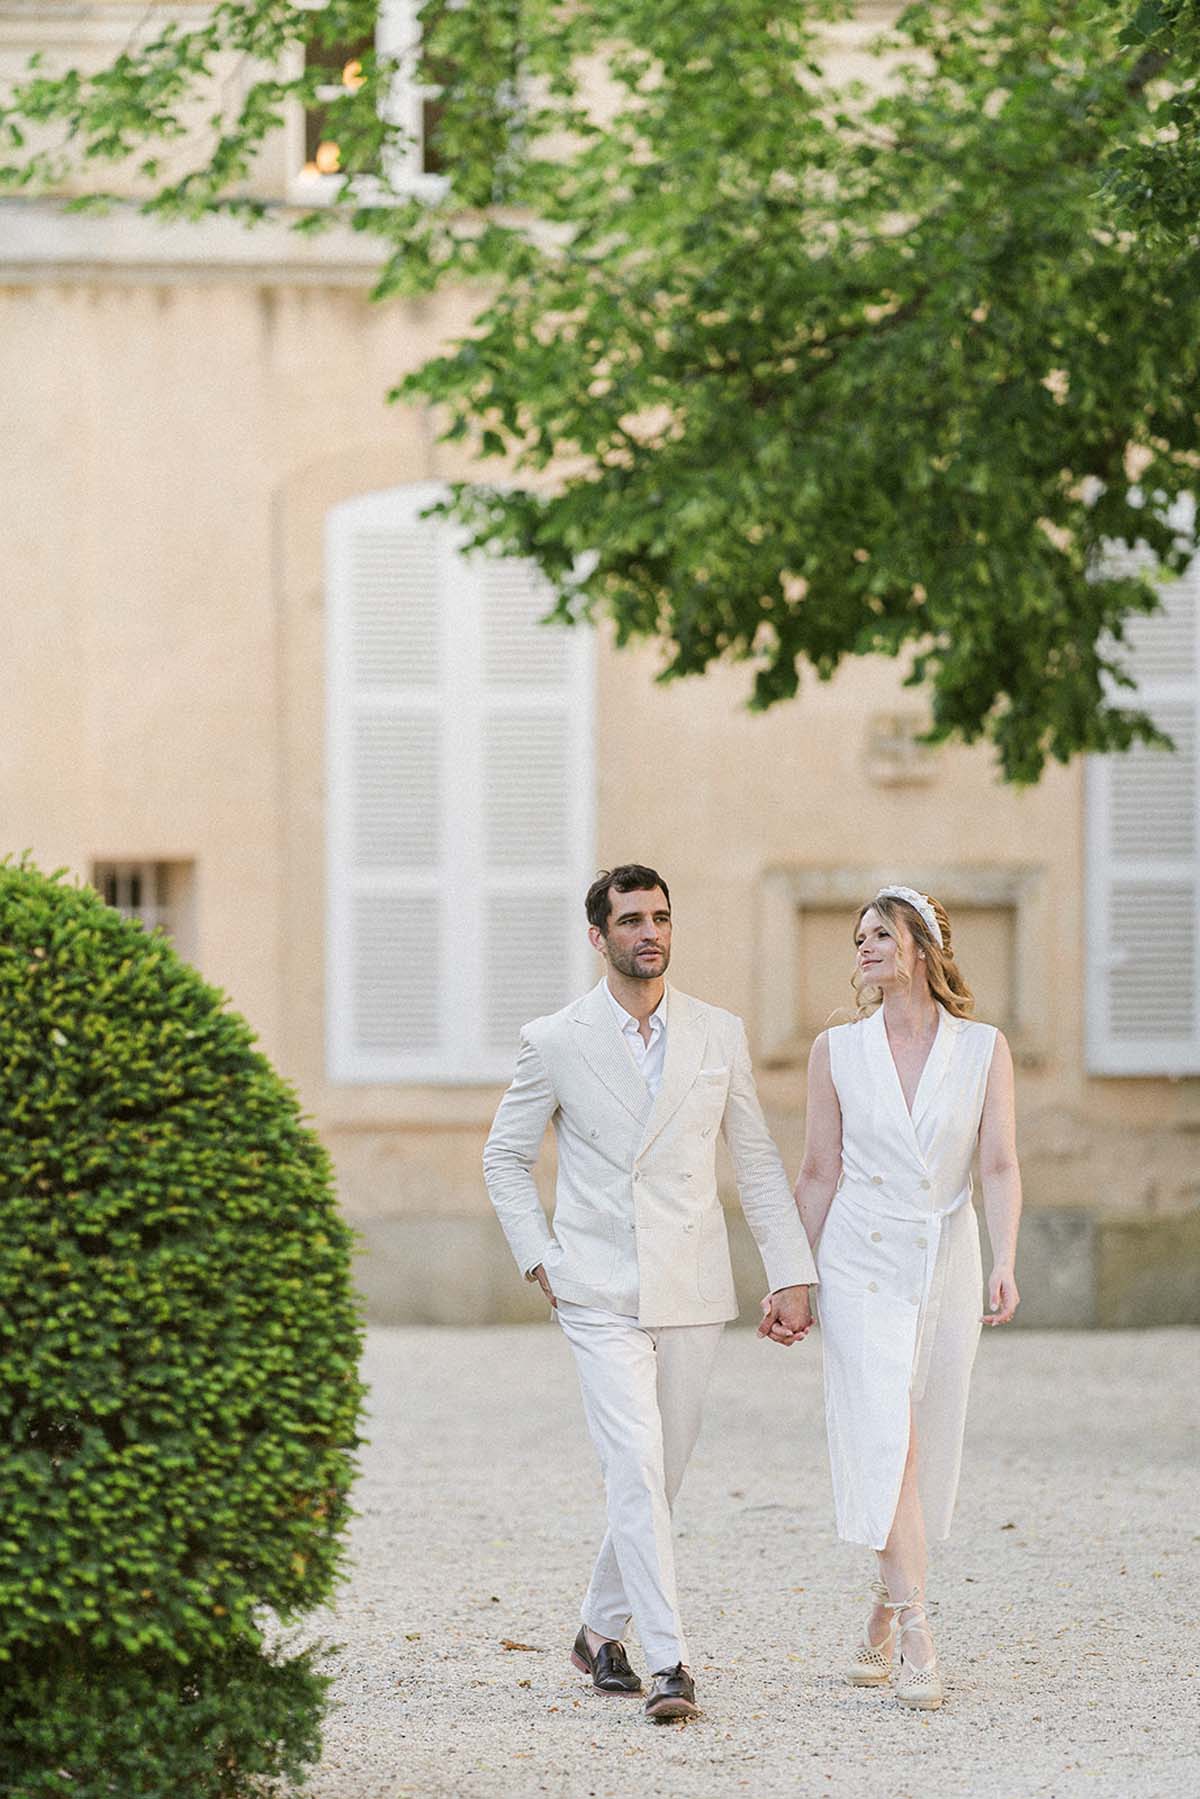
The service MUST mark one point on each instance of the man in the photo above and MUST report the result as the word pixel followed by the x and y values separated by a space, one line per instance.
pixel 638 1080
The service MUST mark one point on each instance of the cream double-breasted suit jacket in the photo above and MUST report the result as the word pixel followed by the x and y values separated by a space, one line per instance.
pixel 638 1225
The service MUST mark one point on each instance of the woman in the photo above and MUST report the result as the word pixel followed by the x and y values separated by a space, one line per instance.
pixel 898 1101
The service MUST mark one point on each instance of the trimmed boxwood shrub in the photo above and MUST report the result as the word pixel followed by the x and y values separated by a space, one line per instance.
pixel 178 1372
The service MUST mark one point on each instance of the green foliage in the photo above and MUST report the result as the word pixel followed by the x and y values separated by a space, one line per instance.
pixel 178 1386
pixel 842 373
pixel 1153 178
pixel 785 373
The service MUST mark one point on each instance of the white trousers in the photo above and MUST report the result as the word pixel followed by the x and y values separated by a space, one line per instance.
pixel 643 1392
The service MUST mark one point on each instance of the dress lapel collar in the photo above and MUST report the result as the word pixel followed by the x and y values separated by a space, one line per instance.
pixel 936 1065
pixel 887 1080
pixel 599 1037
pixel 687 1033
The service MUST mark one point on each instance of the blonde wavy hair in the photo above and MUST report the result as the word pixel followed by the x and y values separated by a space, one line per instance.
pixel 945 978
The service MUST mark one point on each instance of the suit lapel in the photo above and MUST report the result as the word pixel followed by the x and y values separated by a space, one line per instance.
pixel 599 1038
pixel 687 1033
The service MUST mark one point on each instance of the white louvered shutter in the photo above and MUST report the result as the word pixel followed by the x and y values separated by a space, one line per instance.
pixel 460 800
pixel 537 828
pixel 1143 856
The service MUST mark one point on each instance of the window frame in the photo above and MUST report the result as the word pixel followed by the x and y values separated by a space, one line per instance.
pixel 172 881
pixel 396 34
pixel 789 890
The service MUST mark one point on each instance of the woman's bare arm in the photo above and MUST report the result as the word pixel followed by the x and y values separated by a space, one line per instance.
pixel 1001 1176
pixel 821 1167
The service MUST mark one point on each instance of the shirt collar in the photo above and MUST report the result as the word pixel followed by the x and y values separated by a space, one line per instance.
pixel 626 1020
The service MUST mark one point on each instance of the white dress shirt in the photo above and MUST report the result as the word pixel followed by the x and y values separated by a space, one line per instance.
pixel 648 1057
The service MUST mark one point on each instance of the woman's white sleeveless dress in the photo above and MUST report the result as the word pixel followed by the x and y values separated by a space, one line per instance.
pixel 901 1282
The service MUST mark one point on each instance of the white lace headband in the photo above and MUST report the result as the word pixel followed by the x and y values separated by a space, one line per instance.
pixel 920 904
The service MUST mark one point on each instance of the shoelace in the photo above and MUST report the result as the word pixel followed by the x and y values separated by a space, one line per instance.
pixel 920 1621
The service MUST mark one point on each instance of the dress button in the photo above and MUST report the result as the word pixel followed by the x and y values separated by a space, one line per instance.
pixel 921 1242
pixel 877 1236
pixel 877 1180
pixel 926 1185
pixel 872 1287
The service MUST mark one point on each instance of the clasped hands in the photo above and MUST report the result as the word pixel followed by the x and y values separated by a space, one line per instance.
pixel 787 1316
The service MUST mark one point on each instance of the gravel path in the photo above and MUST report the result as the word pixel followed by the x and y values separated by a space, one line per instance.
pixel 1068 1594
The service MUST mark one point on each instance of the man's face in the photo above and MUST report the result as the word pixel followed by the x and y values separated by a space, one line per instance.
pixel 637 939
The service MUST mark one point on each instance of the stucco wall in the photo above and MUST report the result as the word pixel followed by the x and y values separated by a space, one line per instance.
pixel 183 429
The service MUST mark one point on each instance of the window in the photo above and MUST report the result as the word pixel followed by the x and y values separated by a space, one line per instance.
pixel 1141 935
pixel 342 65
pixel 413 108
pixel 159 894
pixel 805 920
pixel 460 799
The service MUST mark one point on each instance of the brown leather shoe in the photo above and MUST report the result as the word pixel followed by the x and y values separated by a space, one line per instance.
pixel 673 1695
pixel 609 1667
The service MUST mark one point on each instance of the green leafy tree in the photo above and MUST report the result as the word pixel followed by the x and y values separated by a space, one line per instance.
pixel 1154 179
pixel 783 373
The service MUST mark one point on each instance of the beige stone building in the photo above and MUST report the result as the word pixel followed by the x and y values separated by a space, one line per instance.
pixel 254 697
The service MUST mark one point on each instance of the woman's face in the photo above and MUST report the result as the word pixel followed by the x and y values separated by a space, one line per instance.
pixel 884 958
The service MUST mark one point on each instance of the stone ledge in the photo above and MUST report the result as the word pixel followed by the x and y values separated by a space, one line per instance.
pixel 44 241
pixel 1077 1270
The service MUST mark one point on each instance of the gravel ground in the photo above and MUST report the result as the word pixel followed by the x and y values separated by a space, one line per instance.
pixel 1068 1595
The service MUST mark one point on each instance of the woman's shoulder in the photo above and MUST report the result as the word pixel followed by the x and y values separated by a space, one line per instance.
pixel 977 1024
pixel 978 1034
pixel 983 1025
pixel 840 1029
pixel 838 1045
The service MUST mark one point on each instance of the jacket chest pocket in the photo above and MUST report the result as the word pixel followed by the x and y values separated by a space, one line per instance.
pixel 708 1094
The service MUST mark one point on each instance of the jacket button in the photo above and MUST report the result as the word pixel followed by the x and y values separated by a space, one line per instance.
pixel 877 1236
pixel 926 1185
pixel 637 1174
pixel 872 1287
pixel 689 1227
pixel 707 1131
pixel 922 1242
pixel 595 1133
pixel 877 1180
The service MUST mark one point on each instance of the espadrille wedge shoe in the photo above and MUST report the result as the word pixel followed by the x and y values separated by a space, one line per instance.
pixel 918 1687
pixel 871 1664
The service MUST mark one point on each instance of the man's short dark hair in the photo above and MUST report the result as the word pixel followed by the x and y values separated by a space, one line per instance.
pixel 627 877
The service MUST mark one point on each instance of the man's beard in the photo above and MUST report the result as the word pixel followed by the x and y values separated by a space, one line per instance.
pixel 626 964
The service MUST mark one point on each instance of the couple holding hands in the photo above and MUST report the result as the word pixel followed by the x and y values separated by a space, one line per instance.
pixel 638 1080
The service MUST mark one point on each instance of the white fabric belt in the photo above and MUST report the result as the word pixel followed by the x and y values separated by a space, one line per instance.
pixel 866 1198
